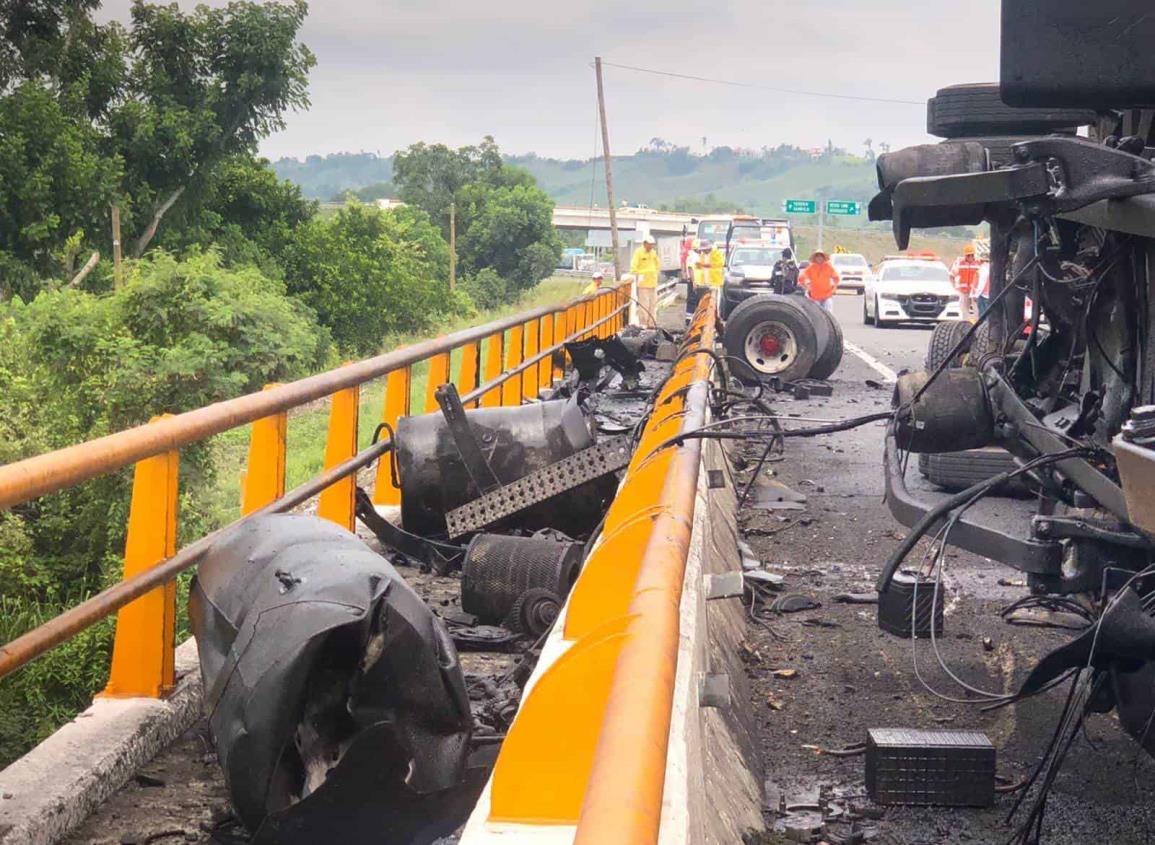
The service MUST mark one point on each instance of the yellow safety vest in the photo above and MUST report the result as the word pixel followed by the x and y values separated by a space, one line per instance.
pixel 645 267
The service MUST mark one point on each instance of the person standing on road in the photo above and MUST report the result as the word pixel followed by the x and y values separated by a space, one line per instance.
pixel 964 273
pixel 716 262
pixel 984 288
pixel 820 280
pixel 694 284
pixel 645 268
pixel 784 276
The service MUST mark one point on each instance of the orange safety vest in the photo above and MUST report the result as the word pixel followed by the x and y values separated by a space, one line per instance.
pixel 820 281
pixel 965 274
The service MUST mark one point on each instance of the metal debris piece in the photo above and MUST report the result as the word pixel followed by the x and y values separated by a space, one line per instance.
pixel 516 442
pixel 465 439
pixel 896 604
pixel 441 557
pixel 767 494
pixel 930 768
pixel 666 351
pixel 567 474
pixel 499 569
pixel 714 690
pixel 762 578
pixel 483 638
pixel 338 709
pixel 726 585
pixel 855 598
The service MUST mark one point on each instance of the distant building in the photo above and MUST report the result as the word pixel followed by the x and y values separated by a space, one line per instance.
pixel 386 204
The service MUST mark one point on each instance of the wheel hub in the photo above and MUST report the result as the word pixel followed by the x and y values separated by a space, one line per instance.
pixel 769 345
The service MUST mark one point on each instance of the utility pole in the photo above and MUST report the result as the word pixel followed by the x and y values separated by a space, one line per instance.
pixel 452 245
pixel 117 272
pixel 821 222
pixel 609 170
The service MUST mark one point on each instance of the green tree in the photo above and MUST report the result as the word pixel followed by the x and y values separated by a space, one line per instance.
pixel 146 116
pixel 369 273
pixel 504 221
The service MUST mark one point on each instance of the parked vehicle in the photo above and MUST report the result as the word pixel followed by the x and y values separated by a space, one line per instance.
pixel 910 289
pixel 854 270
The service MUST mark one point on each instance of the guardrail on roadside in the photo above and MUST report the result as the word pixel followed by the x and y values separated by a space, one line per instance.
pixel 588 747
pixel 501 363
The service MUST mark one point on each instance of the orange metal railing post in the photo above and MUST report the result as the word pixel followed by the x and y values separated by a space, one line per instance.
pixel 336 503
pixel 545 368
pixel 511 388
pixel 493 352
pixel 559 335
pixel 438 375
pixel 529 377
pixel 264 480
pixel 467 377
pixel 143 652
pixel 385 492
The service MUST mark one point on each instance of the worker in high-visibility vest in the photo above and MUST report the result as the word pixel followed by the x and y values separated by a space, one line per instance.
pixel 596 284
pixel 820 280
pixel 964 273
pixel 645 268
pixel 717 267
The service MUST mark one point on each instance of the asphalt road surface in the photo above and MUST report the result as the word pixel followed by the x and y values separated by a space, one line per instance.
pixel 850 676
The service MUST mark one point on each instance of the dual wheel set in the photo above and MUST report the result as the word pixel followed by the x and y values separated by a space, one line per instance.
pixel 782 337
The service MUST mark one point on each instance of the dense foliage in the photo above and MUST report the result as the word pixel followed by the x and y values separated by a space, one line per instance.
pixel 369 273
pixel 149 117
pixel 75 365
pixel 232 278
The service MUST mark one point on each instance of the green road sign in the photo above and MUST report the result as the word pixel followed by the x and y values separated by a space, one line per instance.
pixel 847 207
pixel 801 206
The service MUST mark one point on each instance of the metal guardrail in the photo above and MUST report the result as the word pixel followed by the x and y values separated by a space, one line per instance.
pixel 518 361
pixel 589 744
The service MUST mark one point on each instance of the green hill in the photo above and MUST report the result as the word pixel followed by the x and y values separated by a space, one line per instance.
pixel 757 182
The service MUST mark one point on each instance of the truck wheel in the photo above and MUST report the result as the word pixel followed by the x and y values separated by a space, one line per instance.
pixel 831 356
pixel 866 320
pixel 962 111
pixel 955 471
pixel 943 339
pixel 774 336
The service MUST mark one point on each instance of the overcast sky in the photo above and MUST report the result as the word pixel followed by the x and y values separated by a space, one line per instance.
pixel 392 72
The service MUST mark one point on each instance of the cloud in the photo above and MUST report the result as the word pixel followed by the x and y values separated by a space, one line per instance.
pixel 390 73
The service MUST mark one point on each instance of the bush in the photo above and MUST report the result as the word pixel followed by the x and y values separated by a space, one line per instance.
pixel 75 365
pixel 369 273
pixel 486 289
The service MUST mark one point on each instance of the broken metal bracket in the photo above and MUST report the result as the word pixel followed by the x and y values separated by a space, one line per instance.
pixel 442 557
pixel 725 585
pixel 566 474
pixel 714 689
pixel 464 438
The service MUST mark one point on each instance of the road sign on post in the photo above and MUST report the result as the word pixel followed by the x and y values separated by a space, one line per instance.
pixel 801 206
pixel 848 208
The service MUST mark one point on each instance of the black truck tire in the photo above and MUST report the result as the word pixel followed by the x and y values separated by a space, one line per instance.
pixel 831 356
pixel 943 339
pixel 956 471
pixel 977 109
pixel 772 337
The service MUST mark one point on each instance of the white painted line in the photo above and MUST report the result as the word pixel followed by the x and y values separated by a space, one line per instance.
pixel 872 362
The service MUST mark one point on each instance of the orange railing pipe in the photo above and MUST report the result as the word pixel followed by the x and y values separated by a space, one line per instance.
pixel 623 800
pixel 54 471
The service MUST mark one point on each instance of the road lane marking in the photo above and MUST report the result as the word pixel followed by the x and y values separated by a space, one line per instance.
pixel 872 362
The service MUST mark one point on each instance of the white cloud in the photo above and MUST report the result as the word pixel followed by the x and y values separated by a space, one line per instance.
pixel 390 73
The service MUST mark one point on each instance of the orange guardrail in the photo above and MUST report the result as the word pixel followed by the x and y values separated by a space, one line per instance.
pixel 142 663
pixel 589 744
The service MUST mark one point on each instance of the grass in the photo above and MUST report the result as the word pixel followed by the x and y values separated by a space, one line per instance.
pixel 308 427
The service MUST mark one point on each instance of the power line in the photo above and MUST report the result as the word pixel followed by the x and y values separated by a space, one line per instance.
pixel 762 87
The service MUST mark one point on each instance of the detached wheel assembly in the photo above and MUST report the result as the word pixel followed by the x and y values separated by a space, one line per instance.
pixel 831 356
pixel 943 339
pixel 774 336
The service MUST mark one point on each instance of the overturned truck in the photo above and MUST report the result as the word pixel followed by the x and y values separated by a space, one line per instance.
pixel 1059 407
